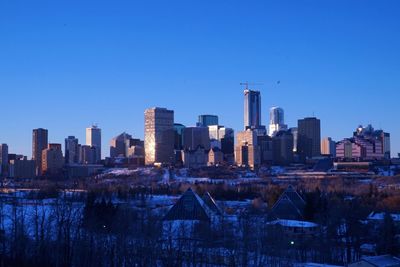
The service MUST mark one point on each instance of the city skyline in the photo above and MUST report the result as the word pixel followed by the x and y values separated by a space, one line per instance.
pixel 334 61
pixel 105 143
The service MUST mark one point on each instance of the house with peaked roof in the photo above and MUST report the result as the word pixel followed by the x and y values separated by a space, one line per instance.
pixel 191 214
pixel 290 206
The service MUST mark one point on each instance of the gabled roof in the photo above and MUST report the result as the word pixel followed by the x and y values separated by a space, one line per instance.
pixel 295 197
pixel 190 207
pixel 289 206
pixel 210 202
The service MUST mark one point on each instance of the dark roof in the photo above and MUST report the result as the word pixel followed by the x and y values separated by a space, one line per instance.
pixel 210 202
pixel 383 261
pixel 290 205
pixel 323 165
pixel 190 207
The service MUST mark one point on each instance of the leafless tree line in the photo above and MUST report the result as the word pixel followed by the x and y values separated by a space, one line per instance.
pixel 68 232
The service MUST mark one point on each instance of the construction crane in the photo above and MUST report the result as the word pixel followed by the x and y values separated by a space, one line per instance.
pixel 247 84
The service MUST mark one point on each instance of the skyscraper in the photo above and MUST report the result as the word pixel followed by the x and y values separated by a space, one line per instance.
pixel 39 143
pixel 159 136
pixel 207 120
pixel 252 112
pixel 71 150
pixel 252 109
pixel 93 139
pixel 3 159
pixel 309 138
pixel 277 121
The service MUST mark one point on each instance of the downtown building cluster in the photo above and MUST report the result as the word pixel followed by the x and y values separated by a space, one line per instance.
pixel 207 143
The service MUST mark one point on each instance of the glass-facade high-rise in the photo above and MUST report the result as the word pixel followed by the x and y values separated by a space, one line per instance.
pixel 159 136
pixel 207 120
pixel 252 109
pixel 277 121
pixel 178 136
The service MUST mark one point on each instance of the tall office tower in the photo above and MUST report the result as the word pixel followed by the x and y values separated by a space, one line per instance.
pixel 252 112
pixel 282 144
pixel 194 137
pixel 309 138
pixel 3 159
pixel 277 121
pixel 52 160
pixel 246 149
pixel 207 120
pixel 118 145
pixel 93 139
pixel 71 150
pixel 328 147
pixel 39 143
pixel 159 136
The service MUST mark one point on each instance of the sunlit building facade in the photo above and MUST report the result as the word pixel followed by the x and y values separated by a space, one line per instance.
pixel 159 136
pixel 52 160
pixel 93 139
pixel 246 150
pixel 328 147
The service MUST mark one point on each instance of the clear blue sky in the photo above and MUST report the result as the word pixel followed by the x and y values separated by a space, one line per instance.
pixel 66 64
